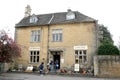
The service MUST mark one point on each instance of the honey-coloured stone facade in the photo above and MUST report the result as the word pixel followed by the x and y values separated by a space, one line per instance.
pixel 78 35
pixel 73 35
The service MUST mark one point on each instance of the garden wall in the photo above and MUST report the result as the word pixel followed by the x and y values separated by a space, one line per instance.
pixel 107 66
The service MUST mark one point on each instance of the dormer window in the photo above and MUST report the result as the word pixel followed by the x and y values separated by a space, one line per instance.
pixel 33 19
pixel 70 15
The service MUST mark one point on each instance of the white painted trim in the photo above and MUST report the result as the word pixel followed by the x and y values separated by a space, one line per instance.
pixel 81 47
pixel 34 48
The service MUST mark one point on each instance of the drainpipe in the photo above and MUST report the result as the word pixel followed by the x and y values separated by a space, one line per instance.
pixel 48 44
pixel 49 37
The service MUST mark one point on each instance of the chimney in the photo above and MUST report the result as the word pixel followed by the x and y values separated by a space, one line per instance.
pixel 27 11
pixel 69 10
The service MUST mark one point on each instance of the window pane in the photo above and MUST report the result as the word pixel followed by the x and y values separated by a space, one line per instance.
pixel 80 52
pixel 53 37
pixel 76 61
pixel 84 52
pixel 38 37
pixel 60 36
pixel 34 53
pixel 34 59
pixel 56 37
pixel 80 57
pixel 30 58
pixel 31 53
pixel 85 59
pixel 76 52
pixel 37 58
pixel 37 53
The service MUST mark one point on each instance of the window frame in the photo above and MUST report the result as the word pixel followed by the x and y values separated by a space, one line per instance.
pixel 35 35
pixel 57 35
pixel 70 16
pixel 81 55
pixel 33 19
pixel 34 56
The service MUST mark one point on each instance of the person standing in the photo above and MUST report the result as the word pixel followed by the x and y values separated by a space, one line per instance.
pixel 41 67
pixel 51 65
pixel 56 64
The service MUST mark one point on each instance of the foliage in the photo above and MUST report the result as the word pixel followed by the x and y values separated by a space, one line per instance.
pixel 106 35
pixel 106 43
pixel 108 49
pixel 8 48
pixel 119 44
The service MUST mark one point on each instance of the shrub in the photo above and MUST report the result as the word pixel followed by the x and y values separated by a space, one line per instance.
pixel 108 49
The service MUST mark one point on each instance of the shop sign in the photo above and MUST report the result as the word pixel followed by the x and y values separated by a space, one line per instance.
pixel 34 48
pixel 76 67
pixel 62 61
pixel 81 47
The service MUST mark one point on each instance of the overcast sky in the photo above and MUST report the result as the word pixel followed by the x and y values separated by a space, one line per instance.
pixel 107 12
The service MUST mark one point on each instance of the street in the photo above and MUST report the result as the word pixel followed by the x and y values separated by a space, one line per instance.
pixel 25 76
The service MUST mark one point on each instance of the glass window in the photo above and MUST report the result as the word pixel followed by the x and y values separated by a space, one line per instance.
pixel 33 19
pixel 81 56
pixel 57 35
pixel 34 56
pixel 35 36
pixel 70 15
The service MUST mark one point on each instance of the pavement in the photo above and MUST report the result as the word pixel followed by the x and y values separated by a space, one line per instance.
pixel 32 76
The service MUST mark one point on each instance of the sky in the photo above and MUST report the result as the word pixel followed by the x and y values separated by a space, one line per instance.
pixel 107 12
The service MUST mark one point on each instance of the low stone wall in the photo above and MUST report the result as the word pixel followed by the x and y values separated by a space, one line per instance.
pixel 107 66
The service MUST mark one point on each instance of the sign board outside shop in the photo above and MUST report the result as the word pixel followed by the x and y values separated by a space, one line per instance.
pixel 76 67
pixel 81 47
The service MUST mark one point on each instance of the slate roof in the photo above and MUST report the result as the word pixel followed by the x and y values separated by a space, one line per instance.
pixel 59 18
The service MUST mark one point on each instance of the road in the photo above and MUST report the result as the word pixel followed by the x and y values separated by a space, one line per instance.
pixel 25 76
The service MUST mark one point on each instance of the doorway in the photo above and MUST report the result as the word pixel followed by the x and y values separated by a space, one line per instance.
pixel 56 57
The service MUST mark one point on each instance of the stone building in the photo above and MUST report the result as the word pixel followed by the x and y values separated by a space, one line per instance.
pixel 69 37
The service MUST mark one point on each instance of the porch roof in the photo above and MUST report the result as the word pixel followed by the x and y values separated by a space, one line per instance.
pixel 55 50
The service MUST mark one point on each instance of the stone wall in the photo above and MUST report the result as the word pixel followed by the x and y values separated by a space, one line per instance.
pixel 75 34
pixel 107 66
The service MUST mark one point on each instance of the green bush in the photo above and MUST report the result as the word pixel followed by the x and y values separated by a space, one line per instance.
pixel 108 49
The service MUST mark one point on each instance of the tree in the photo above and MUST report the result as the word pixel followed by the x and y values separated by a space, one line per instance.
pixel 108 49
pixel 106 43
pixel 119 43
pixel 106 35
pixel 9 49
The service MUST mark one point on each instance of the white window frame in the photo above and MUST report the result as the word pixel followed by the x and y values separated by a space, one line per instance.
pixel 57 35
pixel 34 56
pixel 81 56
pixel 33 19
pixel 70 16
pixel 35 36
pixel 81 53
